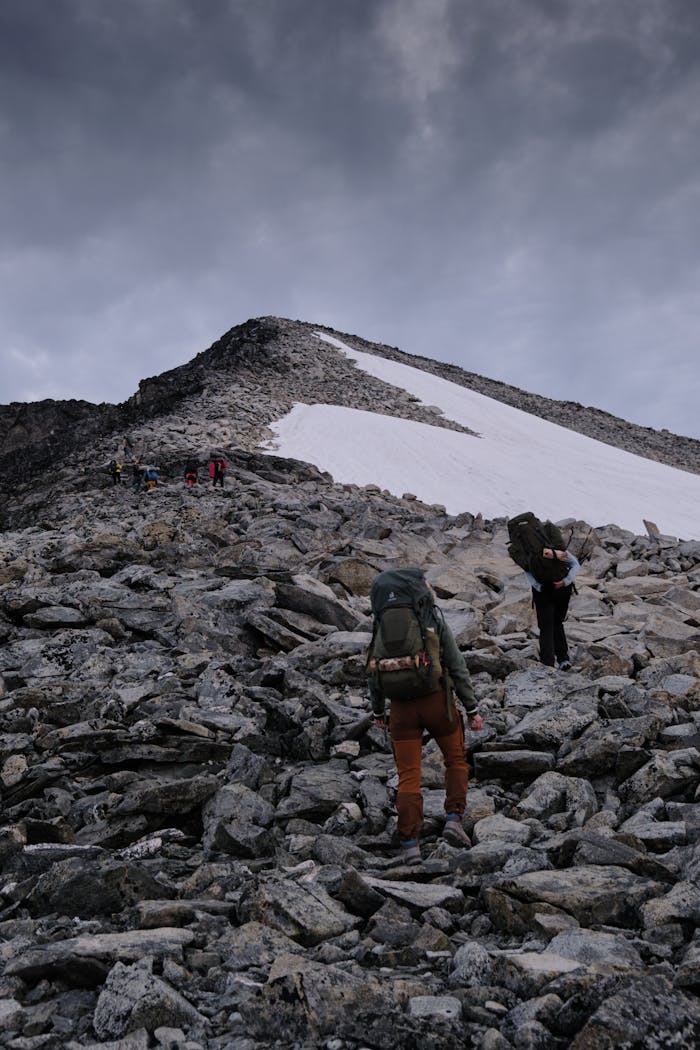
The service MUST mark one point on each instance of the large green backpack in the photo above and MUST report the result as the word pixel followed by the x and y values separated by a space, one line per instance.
pixel 528 538
pixel 404 656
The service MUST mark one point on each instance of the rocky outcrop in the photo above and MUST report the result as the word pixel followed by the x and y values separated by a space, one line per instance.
pixel 197 840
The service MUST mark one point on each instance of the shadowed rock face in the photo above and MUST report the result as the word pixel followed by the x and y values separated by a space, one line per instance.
pixel 197 832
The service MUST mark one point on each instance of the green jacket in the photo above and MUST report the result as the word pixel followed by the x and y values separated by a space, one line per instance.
pixel 452 662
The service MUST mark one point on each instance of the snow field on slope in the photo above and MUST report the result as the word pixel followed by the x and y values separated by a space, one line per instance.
pixel 519 462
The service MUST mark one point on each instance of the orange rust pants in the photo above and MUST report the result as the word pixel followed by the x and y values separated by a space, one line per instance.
pixel 408 720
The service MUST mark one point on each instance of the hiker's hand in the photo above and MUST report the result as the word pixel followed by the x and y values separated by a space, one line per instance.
pixel 380 723
pixel 558 584
pixel 562 555
pixel 547 552
pixel 475 723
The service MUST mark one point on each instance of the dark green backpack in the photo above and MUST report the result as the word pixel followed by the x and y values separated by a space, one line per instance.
pixel 528 538
pixel 404 656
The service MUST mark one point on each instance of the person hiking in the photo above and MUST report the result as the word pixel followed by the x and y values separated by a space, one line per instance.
pixel 150 478
pixel 136 475
pixel 128 447
pixel 190 473
pixel 414 661
pixel 217 469
pixel 539 549
pixel 115 469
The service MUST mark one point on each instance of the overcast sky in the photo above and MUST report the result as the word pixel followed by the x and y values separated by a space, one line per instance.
pixel 511 185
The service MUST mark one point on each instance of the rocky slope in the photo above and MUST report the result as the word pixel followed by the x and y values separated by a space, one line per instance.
pixel 197 847
pixel 197 839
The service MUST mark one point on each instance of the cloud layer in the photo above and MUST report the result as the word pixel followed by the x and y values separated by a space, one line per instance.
pixel 512 186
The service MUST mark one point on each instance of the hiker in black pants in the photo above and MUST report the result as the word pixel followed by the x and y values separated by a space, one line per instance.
pixel 217 470
pixel 551 606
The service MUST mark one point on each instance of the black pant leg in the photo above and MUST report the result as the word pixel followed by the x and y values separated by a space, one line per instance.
pixel 560 605
pixel 544 608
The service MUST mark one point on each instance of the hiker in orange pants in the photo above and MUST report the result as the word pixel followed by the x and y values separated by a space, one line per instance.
pixel 414 661
pixel 409 718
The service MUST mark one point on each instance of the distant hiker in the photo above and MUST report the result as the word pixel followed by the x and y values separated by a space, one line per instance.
pixel 115 470
pixel 217 469
pixel 539 549
pixel 150 477
pixel 414 662
pixel 190 473
pixel 128 446
pixel 136 475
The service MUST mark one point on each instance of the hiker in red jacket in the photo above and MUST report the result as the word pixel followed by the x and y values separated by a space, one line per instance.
pixel 217 469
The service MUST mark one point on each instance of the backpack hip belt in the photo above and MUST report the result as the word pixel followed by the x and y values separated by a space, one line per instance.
pixel 399 663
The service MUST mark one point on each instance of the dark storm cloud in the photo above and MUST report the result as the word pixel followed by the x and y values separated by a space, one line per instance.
pixel 509 185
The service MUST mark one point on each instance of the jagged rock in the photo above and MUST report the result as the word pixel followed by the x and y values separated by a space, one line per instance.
pixel 489 856
pixel 527 973
pixel 689 814
pixel 356 894
pixel 138 1040
pixel 664 636
pixel 77 887
pixel 499 827
pixel 301 997
pixel 133 997
pixel 688 971
pixel 306 913
pixel 316 792
pixel 256 945
pixel 437 1007
pixel 592 895
pixel 310 596
pixel 588 848
pixel 647 1014
pixel 88 957
pixel 595 751
pixel 11 1014
pixel 393 926
pixel 665 774
pixel 419 895
pixel 598 949
pixel 472 965
pixel 512 765
pixel 655 835
pixel 236 820
pixel 549 727
pixel 553 793
pixel 681 904
pixel 53 616
pixel 537 687
pixel 354 574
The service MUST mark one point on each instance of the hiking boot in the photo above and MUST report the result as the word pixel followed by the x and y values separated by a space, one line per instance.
pixel 564 665
pixel 454 833
pixel 409 853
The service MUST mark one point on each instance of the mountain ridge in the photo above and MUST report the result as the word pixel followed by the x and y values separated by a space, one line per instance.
pixel 276 361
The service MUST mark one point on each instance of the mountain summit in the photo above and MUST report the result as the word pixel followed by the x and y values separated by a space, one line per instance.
pixel 409 424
